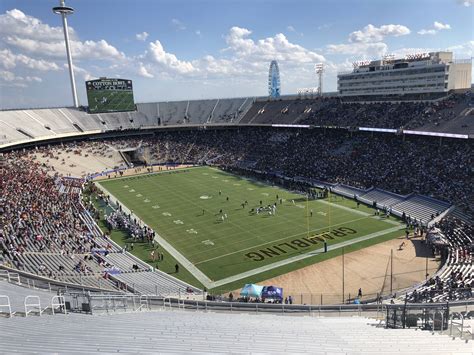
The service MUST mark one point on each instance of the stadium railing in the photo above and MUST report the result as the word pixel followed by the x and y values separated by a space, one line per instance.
pixel 33 281
pixel 113 303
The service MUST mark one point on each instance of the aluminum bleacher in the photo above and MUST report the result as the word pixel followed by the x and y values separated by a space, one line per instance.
pixel 200 111
pixel 21 121
pixel 154 283
pixel 230 110
pixel 172 113
pixel 382 197
pixel 256 109
pixel 347 191
pixel 80 118
pixel 151 110
pixel 9 133
pixel 421 207
pixel 199 332
pixel 195 111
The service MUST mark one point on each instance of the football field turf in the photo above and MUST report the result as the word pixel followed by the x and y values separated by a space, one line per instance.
pixel 183 207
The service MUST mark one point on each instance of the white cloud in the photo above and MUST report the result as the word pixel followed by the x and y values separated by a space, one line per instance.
pixel 178 25
pixel 460 51
pixel 213 66
pixel 264 50
pixel 10 60
pixel 440 26
pixel 427 32
pixel 7 75
pixel 243 58
pixel 142 36
pixel 80 50
pixel 466 3
pixel 464 50
pixel 370 33
pixel 83 73
pixel 291 28
pixel 437 26
pixel 368 42
pixel 17 81
pixel 324 26
pixel 16 23
pixel 198 33
pixel 169 60
pixel 365 50
pixel 31 35
pixel 143 72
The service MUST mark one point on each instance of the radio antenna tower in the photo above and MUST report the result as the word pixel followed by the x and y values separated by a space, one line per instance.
pixel 319 68
pixel 64 11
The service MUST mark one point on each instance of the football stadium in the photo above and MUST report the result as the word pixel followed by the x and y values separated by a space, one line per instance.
pixel 285 220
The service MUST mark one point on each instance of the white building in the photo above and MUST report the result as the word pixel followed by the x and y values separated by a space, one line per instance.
pixel 423 73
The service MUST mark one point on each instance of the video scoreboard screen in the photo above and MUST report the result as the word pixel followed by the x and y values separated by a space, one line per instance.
pixel 110 95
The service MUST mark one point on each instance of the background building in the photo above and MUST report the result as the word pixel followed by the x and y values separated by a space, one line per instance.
pixel 422 73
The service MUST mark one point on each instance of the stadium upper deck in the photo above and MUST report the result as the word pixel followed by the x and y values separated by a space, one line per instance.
pixel 452 115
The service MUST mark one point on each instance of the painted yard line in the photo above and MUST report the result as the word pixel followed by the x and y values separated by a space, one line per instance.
pixel 255 229
pixel 263 186
pixel 322 201
pixel 301 257
pixel 273 241
pixel 198 274
pixel 355 211
pixel 200 207
pixel 194 225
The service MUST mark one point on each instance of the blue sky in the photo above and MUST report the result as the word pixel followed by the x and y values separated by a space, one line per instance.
pixel 207 48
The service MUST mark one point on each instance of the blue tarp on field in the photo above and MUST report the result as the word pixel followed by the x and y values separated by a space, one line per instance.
pixel 251 290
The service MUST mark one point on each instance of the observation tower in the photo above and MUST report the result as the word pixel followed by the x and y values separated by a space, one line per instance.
pixel 64 11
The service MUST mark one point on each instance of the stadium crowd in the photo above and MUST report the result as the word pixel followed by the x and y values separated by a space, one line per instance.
pixel 457 279
pixel 395 115
pixel 42 229
pixel 40 212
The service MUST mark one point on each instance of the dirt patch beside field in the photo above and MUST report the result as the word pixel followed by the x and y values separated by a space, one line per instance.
pixel 368 269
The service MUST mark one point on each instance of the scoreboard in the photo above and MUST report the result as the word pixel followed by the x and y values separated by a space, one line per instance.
pixel 110 95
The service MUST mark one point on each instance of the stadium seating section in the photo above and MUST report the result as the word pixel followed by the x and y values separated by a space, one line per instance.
pixel 190 332
pixel 47 231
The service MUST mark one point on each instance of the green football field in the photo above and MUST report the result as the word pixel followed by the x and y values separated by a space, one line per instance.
pixel 184 208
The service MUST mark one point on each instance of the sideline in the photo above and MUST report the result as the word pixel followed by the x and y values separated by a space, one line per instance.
pixel 198 274
pixel 103 178
pixel 357 212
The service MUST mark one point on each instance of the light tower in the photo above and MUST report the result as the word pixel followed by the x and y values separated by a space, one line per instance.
pixel 319 68
pixel 64 11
